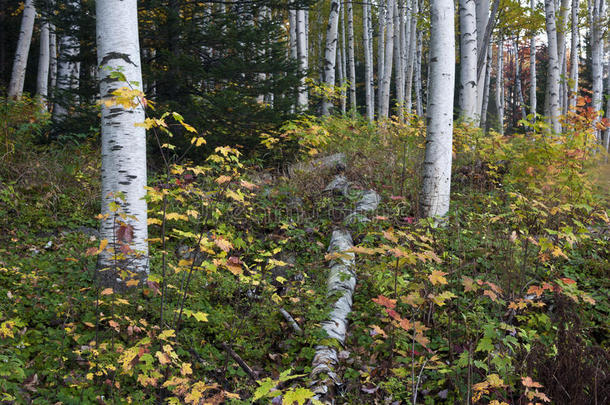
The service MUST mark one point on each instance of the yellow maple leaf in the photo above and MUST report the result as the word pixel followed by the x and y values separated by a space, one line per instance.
pixel 438 277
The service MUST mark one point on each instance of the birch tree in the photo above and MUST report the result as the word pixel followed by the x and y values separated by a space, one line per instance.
pixel 382 22
pixel 301 32
pixel 533 85
pixel 574 55
pixel 387 64
pixel 482 18
pixel 552 93
pixel 42 78
pixel 436 172
pixel 597 67
pixel 342 66
pixel 412 56
pixel 398 61
pixel 351 64
pixel 123 143
pixel 330 52
pixel 367 39
pixel 68 67
pixel 486 89
pixel 15 87
pixel 53 57
pixel 500 86
pixel 468 61
pixel 419 103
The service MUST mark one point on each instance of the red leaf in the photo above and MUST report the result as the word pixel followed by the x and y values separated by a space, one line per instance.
pixel 125 233
pixel 385 302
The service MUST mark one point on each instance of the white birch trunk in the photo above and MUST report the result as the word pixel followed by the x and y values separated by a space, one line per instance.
pixel 468 61
pixel 552 92
pixel 412 56
pixel 522 108
pixel 302 98
pixel 398 60
pixel 436 172
pixel 15 87
pixel 350 57
pixel 533 84
pixel 68 69
pixel 380 52
pixel 387 64
pixel 368 61
pixel 597 67
pixel 500 87
pixel 42 80
pixel 486 90
pixel 343 64
pixel 123 143
pixel 574 56
pixel 419 102
pixel 607 136
pixel 53 57
pixel 482 17
pixel 330 52
pixel 561 53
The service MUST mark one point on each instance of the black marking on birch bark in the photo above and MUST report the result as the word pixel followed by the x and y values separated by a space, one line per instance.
pixel 131 176
pixel 116 55
pixel 125 183
pixel 116 147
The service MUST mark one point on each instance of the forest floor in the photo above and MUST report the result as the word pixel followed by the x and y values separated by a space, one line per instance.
pixel 509 302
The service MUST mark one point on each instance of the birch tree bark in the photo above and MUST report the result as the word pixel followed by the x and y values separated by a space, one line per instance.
pixel 486 90
pixel 382 22
pixel 552 92
pixel 342 55
pixel 607 136
pixel 419 103
pixel 597 68
pixel 350 56
pixel 53 57
pixel 398 61
pixel 15 87
pixel 330 52
pixel 482 19
pixel 301 33
pixel 68 68
pixel 436 176
pixel 522 108
pixel 123 143
pixel 367 39
pixel 562 27
pixel 468 61
pixel 574 56
pixel 500 86
pixel 413 55
pixel 533 84
pixel 42 79
pixel 387 64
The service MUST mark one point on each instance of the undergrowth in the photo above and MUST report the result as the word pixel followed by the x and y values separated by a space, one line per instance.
pixel 507 303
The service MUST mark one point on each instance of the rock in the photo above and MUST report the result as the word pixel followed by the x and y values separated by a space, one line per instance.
pixel 334 162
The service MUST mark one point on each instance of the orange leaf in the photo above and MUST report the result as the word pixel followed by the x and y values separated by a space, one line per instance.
pixel 107 291
pixel 438 277
pixel 385 302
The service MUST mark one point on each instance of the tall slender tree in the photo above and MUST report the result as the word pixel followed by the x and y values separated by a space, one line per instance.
pixel 367 39
pixel 552 93
pixel 500 85
pixel 468 61
pixel 574 55
pixel 42 79
pixel 301 33
pixel 330 52
pixel 15 87
pixel 597 68
pixel 436 172
pixel 381 38
pixel 533 85
pixel 123 142
pixel 387 64
pixel 351 64
pixel 68 66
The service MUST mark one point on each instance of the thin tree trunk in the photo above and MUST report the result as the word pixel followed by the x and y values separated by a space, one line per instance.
pixel 302 98
pixel 330 52
pixel 368 61
pixel 343 64
pixel 350 56
pixel 553 112
pixel 486 90
pixel 398 60
pixel 561 53
pixel 436 172
pixel 522 107
pixel 482 20
pixel 597 68
pixel 468 61
pixel 382 20
pixel 387 64
pixel 574 56
pixel 500 86
pixel 533 85
pixel 607 137
pixel 123 143
pixel 53 57
pixel 42 80
pixel 15 87
pixel 419 103
pixel 413 57
pixel 68 68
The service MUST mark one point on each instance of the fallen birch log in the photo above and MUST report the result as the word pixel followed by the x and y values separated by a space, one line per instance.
pixel 341 279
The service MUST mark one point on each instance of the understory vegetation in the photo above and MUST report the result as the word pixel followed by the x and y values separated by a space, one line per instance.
pixel 506 303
